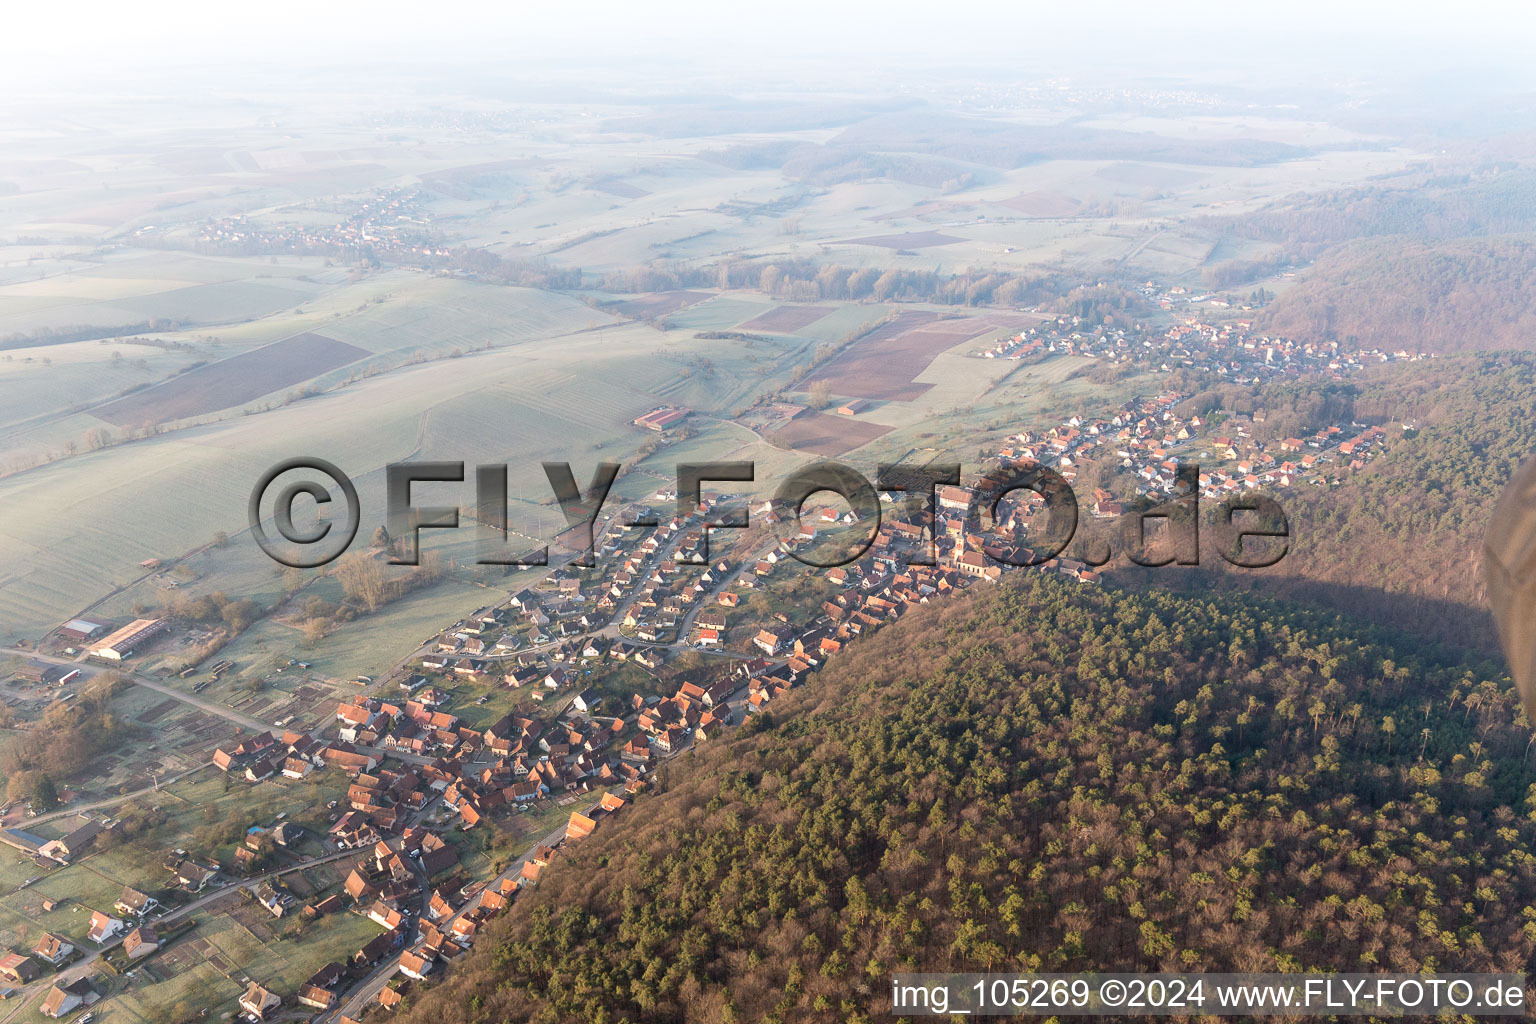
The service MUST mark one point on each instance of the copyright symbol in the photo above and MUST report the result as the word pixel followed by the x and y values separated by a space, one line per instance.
pixel 282 514
pixel 1112 992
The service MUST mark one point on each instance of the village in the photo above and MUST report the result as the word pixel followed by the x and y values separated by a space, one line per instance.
pixel 553 709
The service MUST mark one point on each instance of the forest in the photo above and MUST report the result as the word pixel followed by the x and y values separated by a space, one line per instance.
pixel 1497 200
pixel 1400 539
pixel 1395 293
pixel 1042 776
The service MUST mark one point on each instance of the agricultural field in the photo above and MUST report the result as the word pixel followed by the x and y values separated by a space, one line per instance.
pixel 786 319
pixel 723 312
pixel 91 519
pixel 824 434
pixel 231 382
pixel 886 363
pixel 655 305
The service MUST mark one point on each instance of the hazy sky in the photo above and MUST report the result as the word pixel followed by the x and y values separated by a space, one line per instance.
pixel 52 47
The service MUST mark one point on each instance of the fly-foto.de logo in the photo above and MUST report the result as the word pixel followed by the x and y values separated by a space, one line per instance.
pixel 1166 531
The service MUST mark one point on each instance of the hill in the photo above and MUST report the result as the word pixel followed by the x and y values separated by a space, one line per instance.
pixel 1400 539
pixel 1401 293
pixel 1047 777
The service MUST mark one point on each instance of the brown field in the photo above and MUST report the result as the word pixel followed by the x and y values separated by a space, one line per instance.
pixel 909 240
pixel 1042 204
pixel 233 381
pixel 169 704
pixel 828 435
pixel 656 304
pixel 885 363
pixel 786 319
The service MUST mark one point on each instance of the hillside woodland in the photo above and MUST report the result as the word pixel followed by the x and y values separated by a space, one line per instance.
pixel 1400 539
pixel 1042 776
pixel 1400 293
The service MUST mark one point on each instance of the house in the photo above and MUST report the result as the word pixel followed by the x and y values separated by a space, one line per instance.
pixel 192 876
pixel 276 900
pixel 522 792
pixel 384 915
pixel 62 999
pixel 417 963
pixel 18 969
pixel 134 902
pixel 258 1002
pixel 53 949
pixel 358 887
pixel 287 834
pixel 259 769
pixel 103 927
pixel 580 826
pixel 73 845
pixel 952 498
pixel 768 641
pixel 316 997
pixel 437 855
pixel 586 700
pixel 316 993
pixel 142 941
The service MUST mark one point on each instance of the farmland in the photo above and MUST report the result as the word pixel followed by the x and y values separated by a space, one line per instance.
pixel 656 305
pixel 233 381
pixel 786 319
pixel 885 363
pixel 823 434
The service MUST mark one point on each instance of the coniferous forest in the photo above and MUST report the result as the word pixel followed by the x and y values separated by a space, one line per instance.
pixel 1048 777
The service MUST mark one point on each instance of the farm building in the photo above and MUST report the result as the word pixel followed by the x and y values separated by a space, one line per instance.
pixel 661 419
pixel 67 848
pixel 854 407
pixel 18 969
pixel 47 675
pixel 82 629
pixel 125 641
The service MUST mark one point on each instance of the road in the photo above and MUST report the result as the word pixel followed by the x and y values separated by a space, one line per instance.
pixel 365 992
pixel 211 707
pixel 97 805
